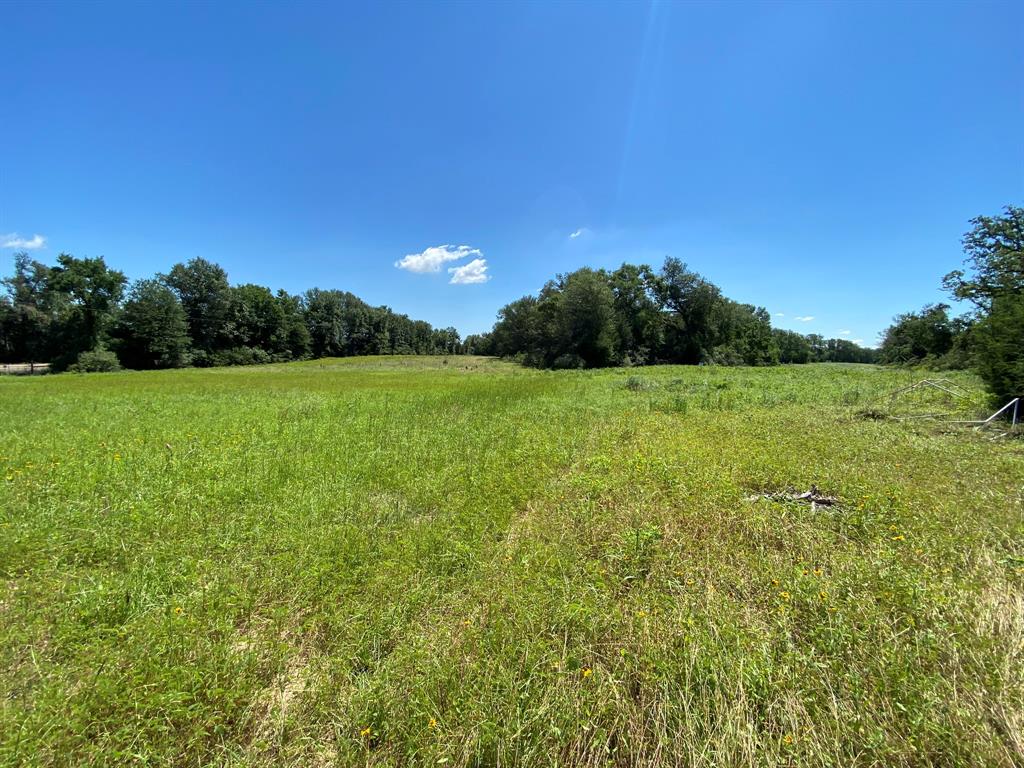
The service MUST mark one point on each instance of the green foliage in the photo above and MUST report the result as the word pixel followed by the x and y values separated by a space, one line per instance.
pixel 52 314
pixel 392 561
pixel 995 285
pixel 999 347
pixel 583 319
pixel 151 331
pixel 97 360
pixel 995 257
pixel 202 287
pixel 634 316
pixel 916 336
pixel 91 292
pixel 341 324
pixel 793 347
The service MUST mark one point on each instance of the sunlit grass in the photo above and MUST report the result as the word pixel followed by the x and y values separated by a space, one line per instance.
pixel 461 562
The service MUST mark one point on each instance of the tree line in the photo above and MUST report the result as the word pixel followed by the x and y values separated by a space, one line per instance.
pixel 635 315
pixel 80 314
pixel 988 338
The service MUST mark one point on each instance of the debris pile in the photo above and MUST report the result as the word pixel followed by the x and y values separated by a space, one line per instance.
pixel 814 497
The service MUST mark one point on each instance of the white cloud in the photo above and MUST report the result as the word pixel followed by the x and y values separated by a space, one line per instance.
pixel 805 319
pixel 14 241
pixel 578 233
pixel 844 333
pixel 858 341
pixel 780 314
pixel 431 259
pixel 470 274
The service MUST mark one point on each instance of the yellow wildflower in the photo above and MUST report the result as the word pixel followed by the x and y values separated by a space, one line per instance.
pixel 366 732
pixel 432 723
pixel 587 672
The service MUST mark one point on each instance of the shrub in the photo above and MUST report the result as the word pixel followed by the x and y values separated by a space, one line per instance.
pixel 240 356
pixel 96 361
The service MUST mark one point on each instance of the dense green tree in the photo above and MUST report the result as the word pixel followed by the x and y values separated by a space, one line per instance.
pixel 998 340
pixel 151 331
pixel 632 315
pixel 326 322
pixel 479 344
pixel 639 322
pixel 915 336
pixel 585 328
pixel 29 312
pixel 846 351
pixel 295 332
pixel 254 319
pixel 446 340
pixel 691 331
pixel 994 284
pixel 202 287
pixel 93 292
pixel 517 329
pixel 793 347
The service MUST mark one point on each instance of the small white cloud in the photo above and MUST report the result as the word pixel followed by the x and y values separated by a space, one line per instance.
pixel 805 319
pixel 431 259
pixel 844 333
pixel 857 341
pixel 13 240
pixel 470 274
pixel 780 314
pixel 578 233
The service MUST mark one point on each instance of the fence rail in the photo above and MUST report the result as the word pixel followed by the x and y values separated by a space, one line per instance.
pixel 23 369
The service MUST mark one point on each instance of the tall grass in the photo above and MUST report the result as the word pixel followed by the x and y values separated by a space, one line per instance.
pixel 447 562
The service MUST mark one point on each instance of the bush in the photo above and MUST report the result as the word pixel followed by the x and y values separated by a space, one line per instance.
pixel 725 355
pixel 568 361
pixel 240 356
pixel 96 361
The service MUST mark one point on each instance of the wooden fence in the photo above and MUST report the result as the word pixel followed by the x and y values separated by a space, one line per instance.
pixel 23 369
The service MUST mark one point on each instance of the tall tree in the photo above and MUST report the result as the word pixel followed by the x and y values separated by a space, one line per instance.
pixel 915 336
pixel 998 340
pixel 94 291
pixel 151 331
pixel 995 258
pixel 793 347
pixel 690 334
pixel 994 283
pixel 202 287
pixel 28 312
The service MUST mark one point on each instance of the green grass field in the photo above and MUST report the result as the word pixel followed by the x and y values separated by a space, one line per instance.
pixel 398 561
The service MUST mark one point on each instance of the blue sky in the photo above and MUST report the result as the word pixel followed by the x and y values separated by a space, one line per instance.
pixel 819 159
